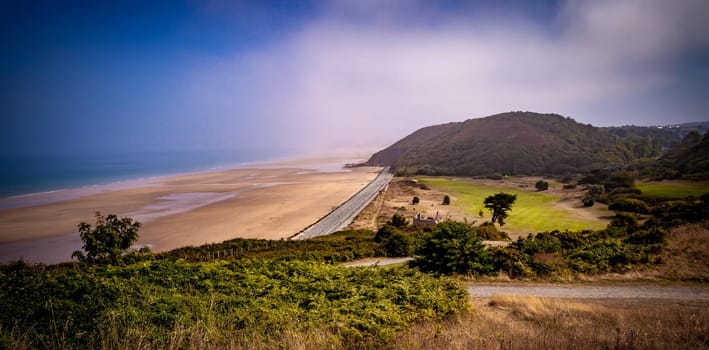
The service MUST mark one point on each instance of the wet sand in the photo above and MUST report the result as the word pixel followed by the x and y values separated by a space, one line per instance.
pixel 272 201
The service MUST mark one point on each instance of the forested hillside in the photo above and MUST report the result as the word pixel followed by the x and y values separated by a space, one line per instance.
pixel 522 143
pixel 689 160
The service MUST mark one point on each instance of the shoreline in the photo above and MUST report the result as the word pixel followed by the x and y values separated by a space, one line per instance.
pixel 270 200
pixel 307 162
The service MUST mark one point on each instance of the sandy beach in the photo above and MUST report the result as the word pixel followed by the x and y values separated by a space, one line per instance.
pixel 270 200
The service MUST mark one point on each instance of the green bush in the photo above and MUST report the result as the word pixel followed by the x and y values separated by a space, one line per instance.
pixel 399 244
pixel 626 221
pixel 629 205
pixel 453 247
pixel 488 231
pixel 398 221
pixel 541 185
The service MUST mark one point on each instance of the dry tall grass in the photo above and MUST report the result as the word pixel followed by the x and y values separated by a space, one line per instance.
pixel 686 255
pixel 512 322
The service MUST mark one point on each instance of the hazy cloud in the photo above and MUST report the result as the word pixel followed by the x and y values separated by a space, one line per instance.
pixel 360 75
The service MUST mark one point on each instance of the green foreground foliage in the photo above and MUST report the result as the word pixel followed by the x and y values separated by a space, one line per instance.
pixel 165 303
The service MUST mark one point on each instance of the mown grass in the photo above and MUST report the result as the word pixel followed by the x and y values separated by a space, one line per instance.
pixel 673 189
pixel 532 212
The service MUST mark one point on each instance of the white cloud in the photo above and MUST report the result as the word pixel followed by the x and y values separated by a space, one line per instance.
pixel 340 83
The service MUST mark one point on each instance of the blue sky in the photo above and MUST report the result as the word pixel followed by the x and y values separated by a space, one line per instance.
pixel 107 77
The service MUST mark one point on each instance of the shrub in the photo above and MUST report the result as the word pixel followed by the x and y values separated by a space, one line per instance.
pixel 398 221
pixel 384 233
pixel 415 201
pixel 595 191
pixel 627 221
pixel 446 200
pixel 488 231
pixel 453 247
pixel 620 179
pixel 541 185
pixel 629 205
pixel 651 236
pixel 399 244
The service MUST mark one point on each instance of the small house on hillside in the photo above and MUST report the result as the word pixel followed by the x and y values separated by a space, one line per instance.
pixel 420 221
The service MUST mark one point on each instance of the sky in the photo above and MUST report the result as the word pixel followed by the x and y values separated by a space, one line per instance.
pixel 134 76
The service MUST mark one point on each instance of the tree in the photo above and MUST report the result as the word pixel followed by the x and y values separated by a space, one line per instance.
pixel 500 204
pixel 541 185
pixel 415 201
pixel 398 221
pixel 446 200
pixel 108 240
pixel 454 247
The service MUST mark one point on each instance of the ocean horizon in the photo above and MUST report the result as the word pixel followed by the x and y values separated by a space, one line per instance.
pixel 25 175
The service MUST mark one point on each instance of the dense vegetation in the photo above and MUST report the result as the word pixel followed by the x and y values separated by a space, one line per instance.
pixel 339 247
pixel 689 160
pixel 522 143
pixel 634 238
pixel 163 303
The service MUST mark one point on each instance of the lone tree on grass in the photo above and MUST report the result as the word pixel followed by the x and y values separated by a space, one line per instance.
pixel 500 204
pixel 446 200
pixel 541 185
pixel 415 201
pixel 108 240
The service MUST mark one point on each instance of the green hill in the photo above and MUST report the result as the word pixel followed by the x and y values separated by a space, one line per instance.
pixel 522 143
pixel 689 160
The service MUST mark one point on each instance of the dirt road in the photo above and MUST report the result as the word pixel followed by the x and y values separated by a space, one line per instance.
pixel 377 262
pixel 695 293
pixel 343 215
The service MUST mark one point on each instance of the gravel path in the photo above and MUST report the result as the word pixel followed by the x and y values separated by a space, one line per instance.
pixel 343 215
pixel 377 262
pixel 595 292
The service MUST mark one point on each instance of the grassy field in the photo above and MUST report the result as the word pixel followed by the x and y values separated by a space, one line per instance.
pixel 533 211
pixel 673 189
pixel 513 322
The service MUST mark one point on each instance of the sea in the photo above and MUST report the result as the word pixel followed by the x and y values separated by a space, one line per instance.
pixel 22 175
